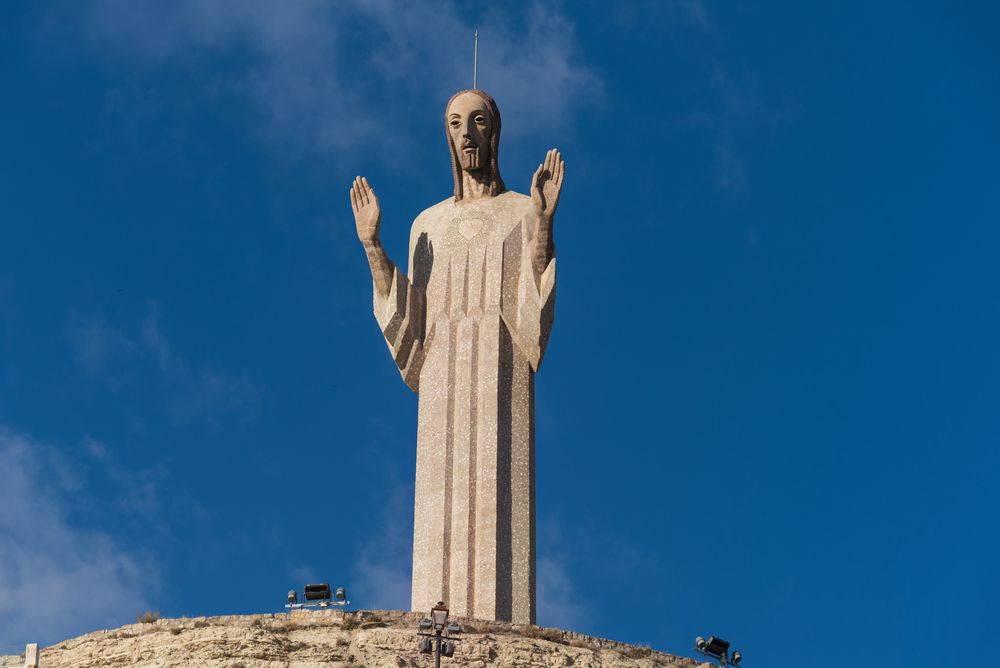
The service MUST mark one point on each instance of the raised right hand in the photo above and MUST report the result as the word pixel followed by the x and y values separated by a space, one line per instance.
pixel 367 213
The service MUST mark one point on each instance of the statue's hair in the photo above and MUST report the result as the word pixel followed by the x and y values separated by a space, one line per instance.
pixel 496 183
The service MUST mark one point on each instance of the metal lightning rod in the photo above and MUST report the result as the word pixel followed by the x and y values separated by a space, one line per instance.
pixel 475 61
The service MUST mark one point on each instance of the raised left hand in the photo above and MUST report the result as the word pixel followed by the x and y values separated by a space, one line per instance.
pixel 546 184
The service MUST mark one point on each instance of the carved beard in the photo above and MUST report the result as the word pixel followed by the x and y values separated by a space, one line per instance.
pixel 470 160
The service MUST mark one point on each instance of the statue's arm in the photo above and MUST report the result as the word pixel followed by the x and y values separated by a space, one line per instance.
pixel 368 218
pixel 397 302
pixel 529 309
pixel 546 186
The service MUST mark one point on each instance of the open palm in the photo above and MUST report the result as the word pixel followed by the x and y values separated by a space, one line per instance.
pixel 546 184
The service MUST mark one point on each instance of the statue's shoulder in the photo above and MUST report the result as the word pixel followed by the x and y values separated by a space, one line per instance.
pixel 432 214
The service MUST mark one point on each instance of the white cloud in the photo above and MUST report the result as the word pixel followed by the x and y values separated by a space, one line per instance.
pixel 336 76
pixel 97 344
pixel 559 605
pixel 57 578
pixel 381 573
pixel 194 392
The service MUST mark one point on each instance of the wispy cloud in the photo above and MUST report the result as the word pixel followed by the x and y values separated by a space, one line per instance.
pixel 560 603
pixel 330 76
pixel 57 577
pixel 382 568
pixel 193 392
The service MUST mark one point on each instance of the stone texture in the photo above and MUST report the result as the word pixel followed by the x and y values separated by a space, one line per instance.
pixel 467 327
pixel 321 639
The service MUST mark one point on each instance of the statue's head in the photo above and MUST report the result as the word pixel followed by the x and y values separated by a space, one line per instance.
pixel 472 123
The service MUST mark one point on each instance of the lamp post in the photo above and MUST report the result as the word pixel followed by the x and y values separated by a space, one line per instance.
pixel 434 641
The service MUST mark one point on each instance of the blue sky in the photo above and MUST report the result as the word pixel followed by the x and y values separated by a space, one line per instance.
pixel 768 410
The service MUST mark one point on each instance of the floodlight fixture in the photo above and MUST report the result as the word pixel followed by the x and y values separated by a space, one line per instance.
pixel 426 624
pixel 454 629
pixel 718 649
pixel 341 594
pixel 293 596
pixel 317 592
pixel 448 649
pixel 426 646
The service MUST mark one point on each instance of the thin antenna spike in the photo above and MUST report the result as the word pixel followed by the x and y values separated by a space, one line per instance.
pixel 475 62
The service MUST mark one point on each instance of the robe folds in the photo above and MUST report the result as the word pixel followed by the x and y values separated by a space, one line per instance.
pixel 467 328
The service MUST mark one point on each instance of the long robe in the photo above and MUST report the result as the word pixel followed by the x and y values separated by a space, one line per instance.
pixel 467 328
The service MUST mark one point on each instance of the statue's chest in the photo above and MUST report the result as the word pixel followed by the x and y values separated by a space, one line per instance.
pixel 466 277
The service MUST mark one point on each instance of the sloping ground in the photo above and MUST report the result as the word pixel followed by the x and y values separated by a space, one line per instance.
pixel 320 639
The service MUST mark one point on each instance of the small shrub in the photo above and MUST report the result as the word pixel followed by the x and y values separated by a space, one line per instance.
pixel 349 622
pixel 201 623
pixel 581 643
pixel 256 623
pixel 176 631
pixel 637 652
pixel 552 635
pixel 147 617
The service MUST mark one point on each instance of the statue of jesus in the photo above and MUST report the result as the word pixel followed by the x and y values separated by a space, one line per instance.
pixel 467 327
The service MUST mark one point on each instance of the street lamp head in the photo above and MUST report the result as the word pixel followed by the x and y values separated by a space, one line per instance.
pixel 439 614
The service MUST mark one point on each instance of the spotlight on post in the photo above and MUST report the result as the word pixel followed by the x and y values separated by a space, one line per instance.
pixel 443 644
pixel 718 649
pixel 341 594
pixel 293 596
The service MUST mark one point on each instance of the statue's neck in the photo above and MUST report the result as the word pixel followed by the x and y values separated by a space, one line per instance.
pixel 476 185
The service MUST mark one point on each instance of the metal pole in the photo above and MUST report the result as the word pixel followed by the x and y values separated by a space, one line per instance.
pixel 437 656
pixel 475 61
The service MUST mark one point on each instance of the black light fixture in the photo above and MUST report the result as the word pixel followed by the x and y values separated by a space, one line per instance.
pixel 316 592
pixel 718 649
pixel 293 596
pixel 341 594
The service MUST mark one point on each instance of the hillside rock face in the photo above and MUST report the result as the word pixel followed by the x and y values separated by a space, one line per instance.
pixel 321 639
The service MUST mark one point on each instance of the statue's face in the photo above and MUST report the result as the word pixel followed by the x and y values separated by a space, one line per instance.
pixel 470 125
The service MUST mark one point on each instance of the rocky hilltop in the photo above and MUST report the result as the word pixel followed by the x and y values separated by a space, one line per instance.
pixel 321 639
